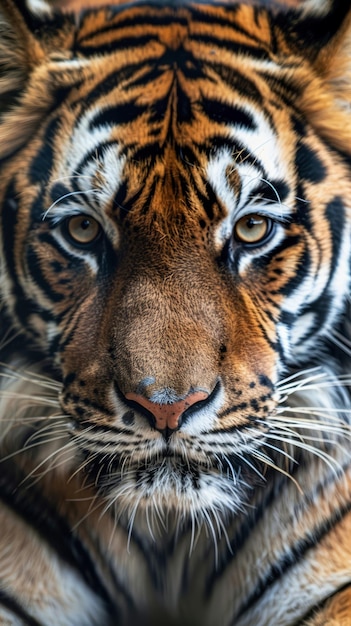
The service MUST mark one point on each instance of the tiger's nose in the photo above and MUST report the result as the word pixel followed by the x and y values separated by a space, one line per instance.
pixel 168 415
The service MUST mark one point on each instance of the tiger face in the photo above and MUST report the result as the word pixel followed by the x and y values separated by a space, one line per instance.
pixel 172 212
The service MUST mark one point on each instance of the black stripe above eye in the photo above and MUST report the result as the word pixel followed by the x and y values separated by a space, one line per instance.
pixel 236 80
pixel 219 111
pixel 272 191
pixel 240 153
pixel 59 191
pixel 120 114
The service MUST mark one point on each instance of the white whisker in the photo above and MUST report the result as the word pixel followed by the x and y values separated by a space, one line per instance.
pixel 64 197
pixel 341 342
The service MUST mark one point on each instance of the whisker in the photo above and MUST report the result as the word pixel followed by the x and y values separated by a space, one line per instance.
pixel 212 531
pixel 341 342
pixel 303 445
pixel 266 460
pixel 13 374
pixel 64 197
pixel 301 374
pixel 38 477
pixel 91 510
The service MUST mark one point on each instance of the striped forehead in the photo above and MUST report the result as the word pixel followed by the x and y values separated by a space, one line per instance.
pixel 95 159
pixel 263 173
pixel 172 98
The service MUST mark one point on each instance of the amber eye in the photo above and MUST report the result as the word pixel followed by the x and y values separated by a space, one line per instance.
pixel 253 228
pixel 83 229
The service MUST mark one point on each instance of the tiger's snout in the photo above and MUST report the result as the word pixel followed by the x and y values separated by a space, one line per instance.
pixel 168 415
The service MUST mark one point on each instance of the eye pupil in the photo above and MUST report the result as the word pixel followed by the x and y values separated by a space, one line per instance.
pixel 82 229
pixel 251 222
pixel 252 229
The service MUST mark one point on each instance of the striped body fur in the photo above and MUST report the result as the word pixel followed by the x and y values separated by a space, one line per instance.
pixel 175 209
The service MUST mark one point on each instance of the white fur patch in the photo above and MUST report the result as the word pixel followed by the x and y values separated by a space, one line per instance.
pixel 39 7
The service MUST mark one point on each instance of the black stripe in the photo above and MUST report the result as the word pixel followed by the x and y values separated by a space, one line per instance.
pixel 66 339
pixel 277 191
pixel 29 504
pixel 241 536
pixel 225 113
pixel 39 25
pixel 59 191
pixel 9 224
pixel 286 91
pixel 38 277
pixel 129 17
pixel 42 163
pixel 308 164
pixel 296 553
pixel 313 612
pixel 209 201
pixel 304 265
pixel 230 44
pixel 149 152
pixel 158 110
pixel 119 114
pixel 105 85
pixel 23 304
pixel 123 44
pixel 14 607
pixel 86 406
pixel 335 213
pixel 313 32
pixel 73 263
pixel 215 20
pixel 240 153
pixel 119 203
pixel 154 71
pixel 237 81
pixel 96 154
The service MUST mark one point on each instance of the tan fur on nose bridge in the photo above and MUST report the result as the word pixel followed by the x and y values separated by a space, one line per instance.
pixel 167 415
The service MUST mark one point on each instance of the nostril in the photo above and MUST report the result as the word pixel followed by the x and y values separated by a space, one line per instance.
pixel 168 416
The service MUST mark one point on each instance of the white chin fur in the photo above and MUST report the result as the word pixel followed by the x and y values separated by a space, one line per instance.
pixel 174 497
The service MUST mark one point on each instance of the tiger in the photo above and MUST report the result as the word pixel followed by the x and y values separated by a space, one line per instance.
pixel 175 255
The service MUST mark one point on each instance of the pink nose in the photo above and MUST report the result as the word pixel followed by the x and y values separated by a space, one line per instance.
pixel 168 415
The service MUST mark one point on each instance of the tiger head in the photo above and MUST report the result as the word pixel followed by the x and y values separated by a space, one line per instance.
pixel 175 230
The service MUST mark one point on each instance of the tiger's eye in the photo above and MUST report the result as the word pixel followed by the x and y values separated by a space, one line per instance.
pixel 83 229
pixel 252 228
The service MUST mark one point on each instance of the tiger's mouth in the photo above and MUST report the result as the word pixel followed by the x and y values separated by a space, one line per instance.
pixel 173 469
pixel 170 482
